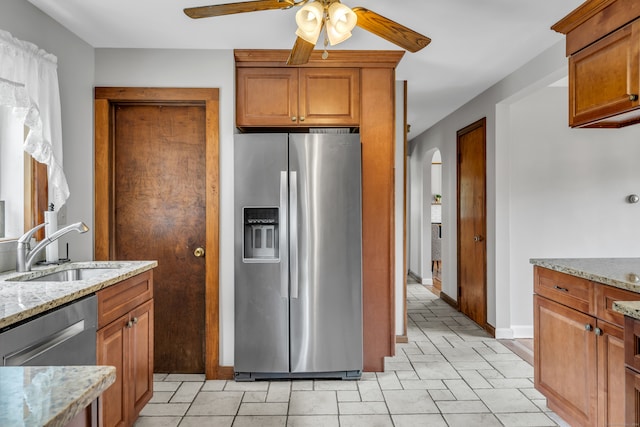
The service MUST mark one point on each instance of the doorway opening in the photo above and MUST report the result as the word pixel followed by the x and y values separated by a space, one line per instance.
pixel 436 221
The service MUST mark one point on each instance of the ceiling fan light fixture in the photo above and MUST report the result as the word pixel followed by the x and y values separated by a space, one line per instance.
pixel 340 23
pixel 309 19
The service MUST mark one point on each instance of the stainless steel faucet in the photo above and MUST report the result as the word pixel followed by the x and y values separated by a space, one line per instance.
pixel 25 255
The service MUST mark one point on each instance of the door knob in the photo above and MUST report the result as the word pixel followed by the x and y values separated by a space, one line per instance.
pixel 199 252
pixel 477 238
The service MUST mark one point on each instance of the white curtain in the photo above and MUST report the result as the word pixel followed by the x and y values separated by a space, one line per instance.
pixel 29 85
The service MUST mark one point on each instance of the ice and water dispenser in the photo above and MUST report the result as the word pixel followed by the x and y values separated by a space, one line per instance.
pixel 261 242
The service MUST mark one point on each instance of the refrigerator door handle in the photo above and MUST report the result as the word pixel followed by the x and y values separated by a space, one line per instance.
pixel 284 255
pixel 293 232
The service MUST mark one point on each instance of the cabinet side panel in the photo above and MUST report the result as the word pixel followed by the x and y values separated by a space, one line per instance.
pixel 377 132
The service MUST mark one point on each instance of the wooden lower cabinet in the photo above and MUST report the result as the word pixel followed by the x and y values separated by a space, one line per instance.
pixel 632 397
pixel 579 358
pixel 611 375
pixel 632 372
pixel 565 361
pixel 579 365
pixel 127 344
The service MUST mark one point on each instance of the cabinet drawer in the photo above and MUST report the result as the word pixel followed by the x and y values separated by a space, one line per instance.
pixel 119 299
pixel 569 290
pixel 605 296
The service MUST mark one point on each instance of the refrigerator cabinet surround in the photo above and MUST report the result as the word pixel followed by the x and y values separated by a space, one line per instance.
pixel 298 256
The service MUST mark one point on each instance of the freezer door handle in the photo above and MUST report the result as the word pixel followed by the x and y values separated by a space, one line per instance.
pixel 284 255
pixel 293 232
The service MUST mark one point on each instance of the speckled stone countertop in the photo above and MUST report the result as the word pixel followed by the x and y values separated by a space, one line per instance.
pixel 621 273
pixel 49 395
pixel 21 299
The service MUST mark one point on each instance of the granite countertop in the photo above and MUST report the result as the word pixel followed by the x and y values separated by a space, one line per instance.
pixel 49 395
pixel 20 300
pixel 621 273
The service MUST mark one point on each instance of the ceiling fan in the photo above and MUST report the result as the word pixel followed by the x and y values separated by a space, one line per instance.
pixel 315 15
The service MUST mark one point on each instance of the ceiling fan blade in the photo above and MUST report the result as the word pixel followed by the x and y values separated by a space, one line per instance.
pixel 390 30
pixel 301 52
pixel 231 8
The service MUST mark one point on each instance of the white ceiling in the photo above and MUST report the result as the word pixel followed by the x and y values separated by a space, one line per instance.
pixel 475 43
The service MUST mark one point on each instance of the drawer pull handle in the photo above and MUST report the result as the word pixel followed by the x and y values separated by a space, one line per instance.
pixel 599 331
pixel 560 288
pixel 588 327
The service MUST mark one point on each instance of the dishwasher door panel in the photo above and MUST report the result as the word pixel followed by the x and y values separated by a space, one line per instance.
pixel 64 336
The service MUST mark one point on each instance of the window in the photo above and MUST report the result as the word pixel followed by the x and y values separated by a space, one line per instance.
pixel 12 176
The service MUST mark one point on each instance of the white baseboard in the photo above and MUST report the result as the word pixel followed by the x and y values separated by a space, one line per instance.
pixel 522 331
pixel 514 332
pixel 419 279
pixel 504 334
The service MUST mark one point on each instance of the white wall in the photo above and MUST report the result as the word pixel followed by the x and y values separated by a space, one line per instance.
pixel 75 76
pixel 190 68
pixel 568 190
pixel 552 191
pixel 400 268
pixel 492 104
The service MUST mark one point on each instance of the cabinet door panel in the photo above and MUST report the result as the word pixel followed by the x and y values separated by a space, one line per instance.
pixel 603 76
pixel 141 354
pixel 611 375
pixel 112 348
pixel 266 96
pixel 632 397
pixel 329 97
pixel 565 360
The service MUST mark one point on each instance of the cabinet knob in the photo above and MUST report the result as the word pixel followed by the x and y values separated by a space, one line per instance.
pixel 302 118
pixel 135 320
pixel 633 97
pixel 599 331
pixel 294 118
pixel 129 324
pixel 588 327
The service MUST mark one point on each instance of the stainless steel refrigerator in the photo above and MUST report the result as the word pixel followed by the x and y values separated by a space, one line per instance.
pixel 298 256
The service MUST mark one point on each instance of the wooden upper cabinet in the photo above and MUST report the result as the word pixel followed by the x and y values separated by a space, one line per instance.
pixel 604 80
pixel 329 97
pixel 286 97
pixel 603 46
pixel 266 96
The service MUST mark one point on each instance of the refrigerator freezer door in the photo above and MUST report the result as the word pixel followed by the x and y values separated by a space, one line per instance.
pixel 261 291
pixel 326 297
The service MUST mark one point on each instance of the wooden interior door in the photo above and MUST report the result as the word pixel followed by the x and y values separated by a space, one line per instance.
pixel 472 222
pixel 159 210
pixel 157 198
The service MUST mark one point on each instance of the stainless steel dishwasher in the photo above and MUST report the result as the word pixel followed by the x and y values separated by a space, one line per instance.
pixel 63 336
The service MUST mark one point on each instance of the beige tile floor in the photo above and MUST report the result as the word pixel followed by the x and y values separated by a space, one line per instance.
pixel 451 373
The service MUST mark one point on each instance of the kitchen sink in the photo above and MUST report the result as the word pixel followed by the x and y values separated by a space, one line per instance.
pixel 73 274
pixel 69 275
